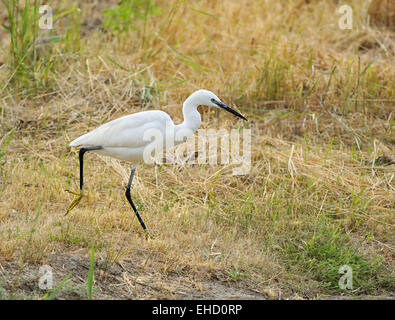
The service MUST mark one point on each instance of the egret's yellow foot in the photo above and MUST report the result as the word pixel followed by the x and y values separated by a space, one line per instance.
pixel 75 202
pixel 148 235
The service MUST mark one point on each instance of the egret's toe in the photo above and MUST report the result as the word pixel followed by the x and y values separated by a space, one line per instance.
pixel 75 202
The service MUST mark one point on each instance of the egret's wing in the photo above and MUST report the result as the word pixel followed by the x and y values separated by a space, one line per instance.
pixel 126 132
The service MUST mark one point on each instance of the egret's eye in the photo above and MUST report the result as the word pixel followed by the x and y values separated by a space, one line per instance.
pixel 212 100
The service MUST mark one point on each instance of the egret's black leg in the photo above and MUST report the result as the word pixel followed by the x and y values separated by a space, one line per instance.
pixel 81 156
pixel 78 197
pixel 127 193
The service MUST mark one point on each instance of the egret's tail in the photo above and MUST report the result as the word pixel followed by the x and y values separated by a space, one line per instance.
pixel 75 143
pixel 80 141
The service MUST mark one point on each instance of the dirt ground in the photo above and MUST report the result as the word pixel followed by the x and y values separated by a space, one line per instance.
pixel 127 280
pixel 120 281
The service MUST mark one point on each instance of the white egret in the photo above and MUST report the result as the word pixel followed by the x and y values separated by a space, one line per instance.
pixel 124 138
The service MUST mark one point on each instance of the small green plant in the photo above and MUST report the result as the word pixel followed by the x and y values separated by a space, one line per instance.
pixel 91 273
pixel 5 142
pixel 72 37
pixel 112 256
pixel 53 293
pixel 272 79
pixel 23 31
pixel 123 17
pixel 235 274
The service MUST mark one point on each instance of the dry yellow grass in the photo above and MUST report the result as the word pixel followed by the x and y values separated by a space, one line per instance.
pixel 382 13
pixel 322 150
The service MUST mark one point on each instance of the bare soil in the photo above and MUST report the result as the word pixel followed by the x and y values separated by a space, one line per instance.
pixel 119 281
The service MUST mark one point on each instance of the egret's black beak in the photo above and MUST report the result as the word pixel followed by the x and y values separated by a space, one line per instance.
pixel 225 107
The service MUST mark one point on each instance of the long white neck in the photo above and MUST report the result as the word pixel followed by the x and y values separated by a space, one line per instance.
pixel 192 118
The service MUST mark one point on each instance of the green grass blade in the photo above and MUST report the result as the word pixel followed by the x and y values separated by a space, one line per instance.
pixel 91 273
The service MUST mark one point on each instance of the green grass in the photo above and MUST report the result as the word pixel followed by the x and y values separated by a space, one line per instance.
pixel 27 68
pixel 235 274
pixel 125 17
pixel 322 253
pixel 33 59
pixel 89 281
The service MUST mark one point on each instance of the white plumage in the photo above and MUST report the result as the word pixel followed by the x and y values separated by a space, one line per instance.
pixel 123 138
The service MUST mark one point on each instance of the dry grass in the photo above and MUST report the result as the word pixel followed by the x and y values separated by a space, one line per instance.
pixel 321 190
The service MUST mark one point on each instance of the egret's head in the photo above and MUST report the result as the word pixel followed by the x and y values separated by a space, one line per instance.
pixel 207 98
